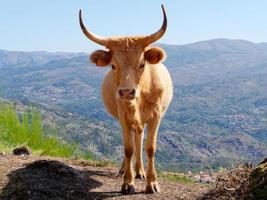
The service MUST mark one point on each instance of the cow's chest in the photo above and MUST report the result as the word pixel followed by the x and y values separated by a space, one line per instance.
pixel 147 111
pixel 139 113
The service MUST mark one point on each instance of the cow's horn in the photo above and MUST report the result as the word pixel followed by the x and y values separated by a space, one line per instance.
pixel 157 35
pixel 98 39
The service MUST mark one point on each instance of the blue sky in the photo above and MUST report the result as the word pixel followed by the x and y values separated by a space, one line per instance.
pixel 52 25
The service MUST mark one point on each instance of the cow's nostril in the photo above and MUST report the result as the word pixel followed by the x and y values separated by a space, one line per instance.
pixel 127 93
pixel 133 92
pixel 121 93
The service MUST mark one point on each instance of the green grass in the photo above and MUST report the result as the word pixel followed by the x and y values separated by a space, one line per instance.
pixel 26 129
pixel 178 178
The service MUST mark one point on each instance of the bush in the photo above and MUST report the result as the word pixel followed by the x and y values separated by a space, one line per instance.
pixel 259 180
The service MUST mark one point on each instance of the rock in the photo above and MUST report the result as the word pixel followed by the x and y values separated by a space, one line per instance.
pixel 259 180
pixel 21 151
pixel 2 153
pixel 204 177
pixel 189 174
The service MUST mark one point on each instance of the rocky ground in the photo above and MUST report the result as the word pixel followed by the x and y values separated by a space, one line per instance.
pixel 28 177
pixel 31 177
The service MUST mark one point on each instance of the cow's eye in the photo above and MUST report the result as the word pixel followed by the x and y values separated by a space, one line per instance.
pixel 113 67
pixel 141 66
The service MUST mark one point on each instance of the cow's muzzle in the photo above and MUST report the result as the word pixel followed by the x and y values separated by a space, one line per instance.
pixel 127 94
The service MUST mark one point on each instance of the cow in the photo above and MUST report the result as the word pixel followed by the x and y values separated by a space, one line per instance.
pixel 137 91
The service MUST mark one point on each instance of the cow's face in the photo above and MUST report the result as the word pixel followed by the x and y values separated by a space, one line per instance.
pixel 128 63
pixel 129 57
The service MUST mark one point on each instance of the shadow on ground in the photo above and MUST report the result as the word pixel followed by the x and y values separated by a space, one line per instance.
pixel 46 179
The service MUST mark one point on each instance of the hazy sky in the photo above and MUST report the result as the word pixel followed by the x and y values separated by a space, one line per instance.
pixel 52 25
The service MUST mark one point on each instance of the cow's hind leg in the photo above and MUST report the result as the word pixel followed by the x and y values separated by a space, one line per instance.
pixel 139 167
pixel 122 169
pixel 128 140
pixel 151 140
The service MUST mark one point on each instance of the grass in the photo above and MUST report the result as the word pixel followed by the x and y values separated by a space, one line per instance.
pixel 4 146
pixel 26 129
pixel 175 177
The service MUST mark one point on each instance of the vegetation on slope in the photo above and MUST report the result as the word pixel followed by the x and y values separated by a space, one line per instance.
pixel 176 177
pixel 26 129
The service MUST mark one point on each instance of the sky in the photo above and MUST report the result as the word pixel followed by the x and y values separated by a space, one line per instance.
pixel 52 25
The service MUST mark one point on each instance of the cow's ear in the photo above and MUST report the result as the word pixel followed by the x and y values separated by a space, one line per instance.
pixel 101 58
pixel 154 55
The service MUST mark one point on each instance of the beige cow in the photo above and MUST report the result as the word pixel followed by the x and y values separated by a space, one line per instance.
pixel 137 92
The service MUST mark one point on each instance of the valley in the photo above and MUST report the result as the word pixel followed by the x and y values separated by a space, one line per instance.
pixel 218 115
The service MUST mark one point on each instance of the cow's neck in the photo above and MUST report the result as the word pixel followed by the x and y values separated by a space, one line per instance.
pixel 132 113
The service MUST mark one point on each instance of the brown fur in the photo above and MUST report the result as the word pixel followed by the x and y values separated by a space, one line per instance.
pixel 100 58
pixel 155 55
pixel 140 68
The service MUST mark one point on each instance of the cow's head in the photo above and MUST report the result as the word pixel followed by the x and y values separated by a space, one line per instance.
pixel 129 58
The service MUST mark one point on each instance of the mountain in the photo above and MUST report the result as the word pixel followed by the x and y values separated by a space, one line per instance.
pixel 20 59
pixel 218 115
pixel 215 59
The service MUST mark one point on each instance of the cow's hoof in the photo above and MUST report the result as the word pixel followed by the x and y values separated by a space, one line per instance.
pixel 127 188
pixel 152 188
pixel 140 175
pixel 120 173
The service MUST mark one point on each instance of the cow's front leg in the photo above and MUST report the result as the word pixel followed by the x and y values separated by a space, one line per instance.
pixel 128 139
pixel 151 141
pixel 139 167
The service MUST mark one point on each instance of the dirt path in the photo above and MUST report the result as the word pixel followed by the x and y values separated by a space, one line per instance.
pixel 33 178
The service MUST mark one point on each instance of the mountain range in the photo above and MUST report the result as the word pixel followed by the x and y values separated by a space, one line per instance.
pixel 218 115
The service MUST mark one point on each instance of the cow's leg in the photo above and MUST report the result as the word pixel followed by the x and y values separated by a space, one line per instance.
pixel 151 140
pixel 139 167
pixel 128 140
pixel 121 171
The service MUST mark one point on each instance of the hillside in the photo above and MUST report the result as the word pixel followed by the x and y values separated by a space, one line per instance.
pixel 218 115
pixel 23 130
